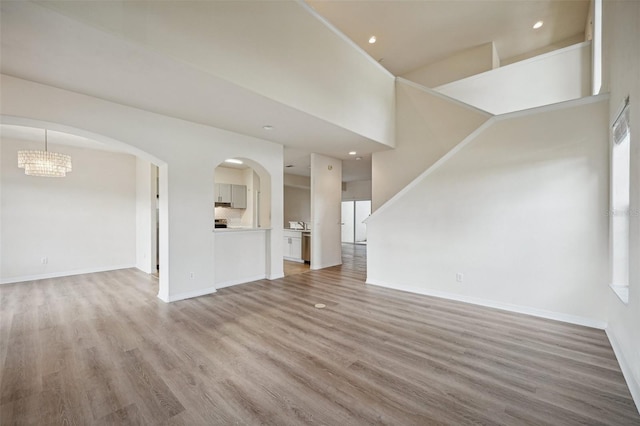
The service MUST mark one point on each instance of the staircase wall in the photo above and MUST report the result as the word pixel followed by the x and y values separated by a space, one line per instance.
pixel 558 76
pixel 520 209
pixel 428 125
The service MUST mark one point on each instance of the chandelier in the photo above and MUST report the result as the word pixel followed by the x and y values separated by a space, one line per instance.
pixel 44 163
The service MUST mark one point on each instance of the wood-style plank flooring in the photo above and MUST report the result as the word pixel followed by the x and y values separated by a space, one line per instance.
pixel 102 349
pixel 293 268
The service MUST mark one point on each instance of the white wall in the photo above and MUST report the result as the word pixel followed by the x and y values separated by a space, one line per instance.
pixel 546 79
pixel 186 190
pixel 84 222
pixel 463 64
pixel 621 32
pixel 146 221
pixel 297 181
pixel 520 210
pixel 326 188
pixel 297 205
pixel 357 190
pixel 240 256
pixel 575 39
pixel 428 125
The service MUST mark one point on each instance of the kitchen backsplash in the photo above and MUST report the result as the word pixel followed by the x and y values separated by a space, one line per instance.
pixel 233 216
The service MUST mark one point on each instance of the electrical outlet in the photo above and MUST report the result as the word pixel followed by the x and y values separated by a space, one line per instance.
pixel 459 277
pixel 44 260
pixel 192 275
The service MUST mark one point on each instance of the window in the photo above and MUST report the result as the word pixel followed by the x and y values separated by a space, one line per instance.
pixel 620 207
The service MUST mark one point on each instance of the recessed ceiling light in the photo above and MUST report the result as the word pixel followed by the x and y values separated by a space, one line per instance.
pixel 267 127
pixel 538 25
pixel 358 158
pixel 352 153
pixel 372 39
pixel 233 161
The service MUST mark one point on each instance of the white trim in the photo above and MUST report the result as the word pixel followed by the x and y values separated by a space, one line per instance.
pixel 473 135
pixel 340 34
pixel 25 278
pixel 627 371
pixel 188 294
pixel 293 259
pixel 443 96
pixel 240 281
pixel 542 313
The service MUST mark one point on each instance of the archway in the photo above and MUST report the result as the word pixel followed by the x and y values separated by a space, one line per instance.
pixel 243 242
pixel 92 142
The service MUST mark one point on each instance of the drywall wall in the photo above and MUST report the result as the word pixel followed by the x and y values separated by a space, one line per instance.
pixel 187 259
pixel 428 126
pixel 84 222
pixel 297 205
pixel 558 76
pixel 297 181
pixel 578 38
pixel 356 190
pixel 520 211
pixel 146 216
pixel 240 256
pixel 463 64
pixel 325 75
pixel 326 188
pixel 621 68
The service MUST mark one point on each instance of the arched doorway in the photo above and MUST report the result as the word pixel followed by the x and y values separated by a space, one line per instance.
pixel 89 221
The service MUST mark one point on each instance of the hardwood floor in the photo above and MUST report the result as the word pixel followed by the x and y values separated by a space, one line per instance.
pixel 293 268
pixel 102 349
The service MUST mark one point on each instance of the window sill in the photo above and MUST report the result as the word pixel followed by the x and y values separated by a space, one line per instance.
pixel 622 291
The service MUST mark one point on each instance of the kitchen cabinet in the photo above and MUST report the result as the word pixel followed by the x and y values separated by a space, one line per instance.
pixel 238 196
pixel 292 246
pixel 234 195
pixel 223 193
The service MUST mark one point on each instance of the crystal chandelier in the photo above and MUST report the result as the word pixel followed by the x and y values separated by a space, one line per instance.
pixel 44 163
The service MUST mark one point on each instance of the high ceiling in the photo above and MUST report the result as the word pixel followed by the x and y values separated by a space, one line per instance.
pixel 411 34
pixel 67 44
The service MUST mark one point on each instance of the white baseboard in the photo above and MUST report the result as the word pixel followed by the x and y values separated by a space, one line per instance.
pixel 240 281
pixel 25 278
pixel 558 316
pixel 293 259
pixel 627 371
pixel 316 267
pixel 188 294
pixel 276 276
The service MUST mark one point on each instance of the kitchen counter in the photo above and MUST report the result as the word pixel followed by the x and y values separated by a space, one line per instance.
pixel 240 229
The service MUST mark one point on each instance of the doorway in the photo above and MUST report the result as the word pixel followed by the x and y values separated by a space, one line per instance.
pixel 354 213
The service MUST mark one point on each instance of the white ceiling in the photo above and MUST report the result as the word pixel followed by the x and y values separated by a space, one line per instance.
pixel 76 53
pixel 42 45
pixel 411 34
